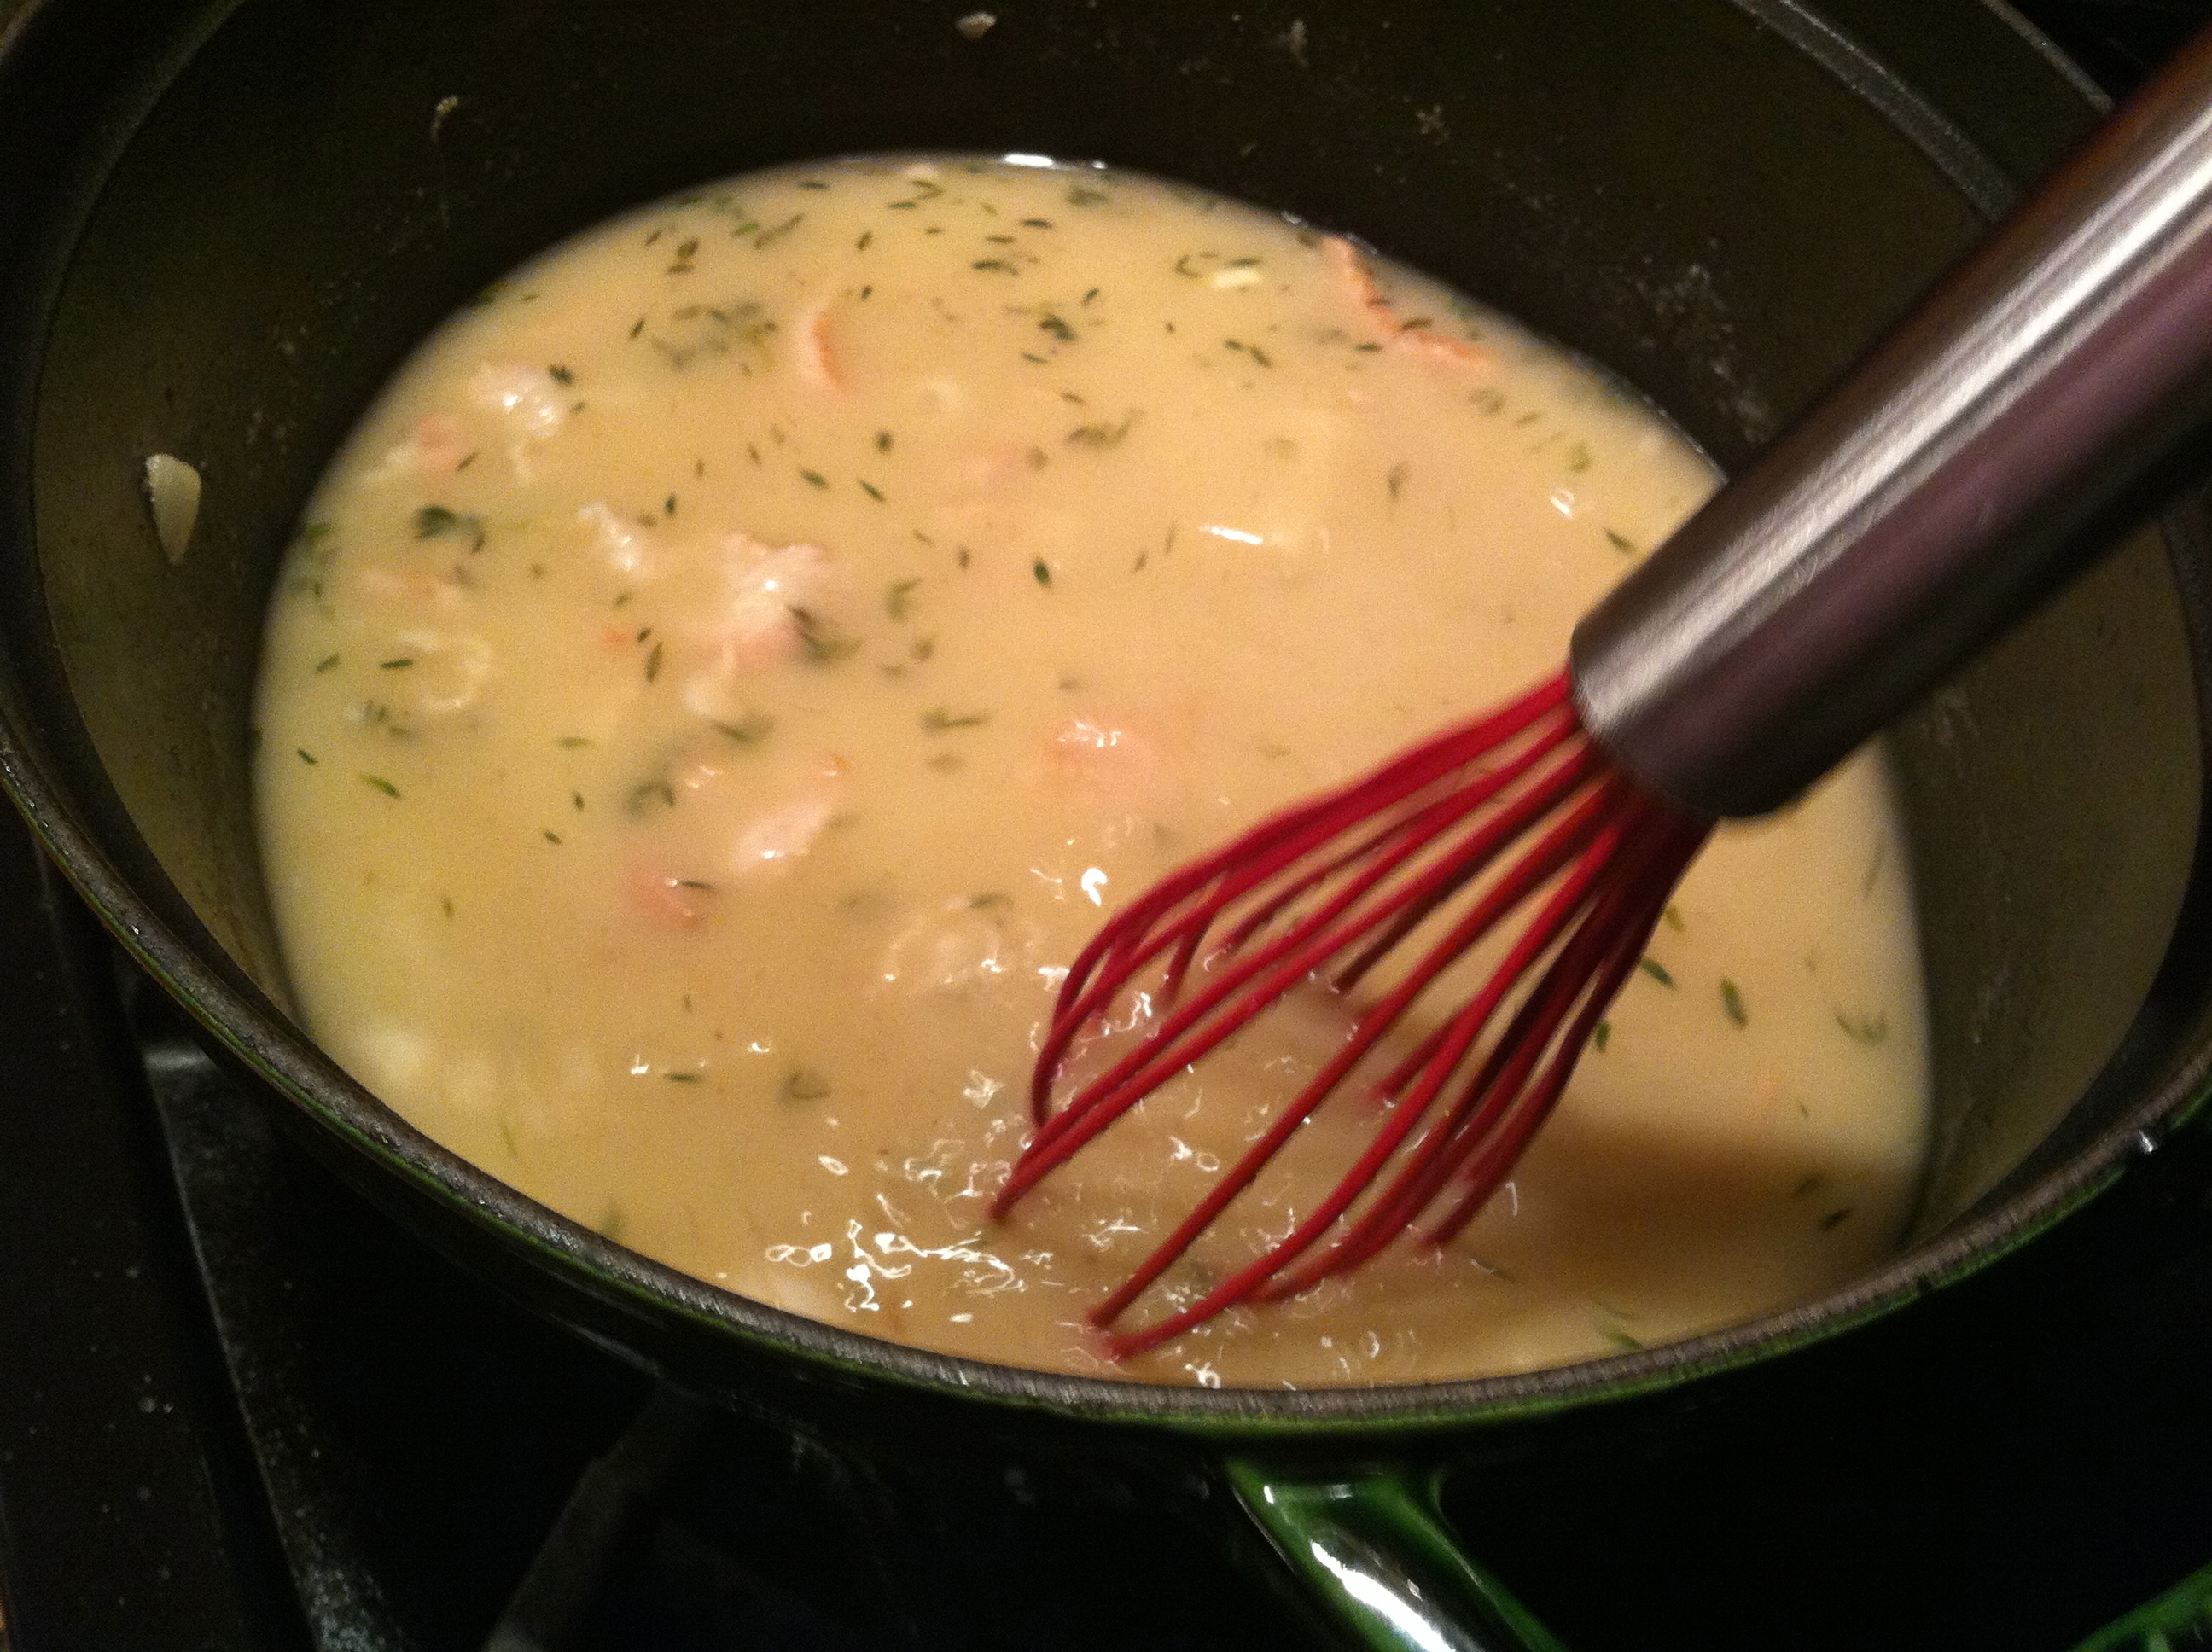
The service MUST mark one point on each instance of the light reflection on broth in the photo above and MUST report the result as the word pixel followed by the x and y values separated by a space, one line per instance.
pixel 740 659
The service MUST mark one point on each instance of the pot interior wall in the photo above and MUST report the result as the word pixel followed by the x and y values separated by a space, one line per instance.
pixel 1676 190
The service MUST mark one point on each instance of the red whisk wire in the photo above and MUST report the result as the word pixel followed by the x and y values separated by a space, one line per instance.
pixel 1326 889
pixel 1372 1025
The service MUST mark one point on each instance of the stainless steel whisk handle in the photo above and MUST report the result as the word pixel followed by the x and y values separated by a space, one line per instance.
pixel 1934 494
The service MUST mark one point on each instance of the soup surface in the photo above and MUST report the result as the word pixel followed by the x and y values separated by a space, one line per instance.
pixel 744 656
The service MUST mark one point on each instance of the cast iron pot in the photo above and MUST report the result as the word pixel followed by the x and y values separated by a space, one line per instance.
pixel 229 222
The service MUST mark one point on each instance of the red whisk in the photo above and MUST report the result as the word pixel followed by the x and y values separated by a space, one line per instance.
pixel 1955 477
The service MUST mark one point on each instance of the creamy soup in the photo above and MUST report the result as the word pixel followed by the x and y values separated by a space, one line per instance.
pixel 744 656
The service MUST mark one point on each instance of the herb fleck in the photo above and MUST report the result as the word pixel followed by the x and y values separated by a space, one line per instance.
pixel 435 521
pixel 748 730
pixel 1871 1028
pixel 647 795
pixel 1656 970
pixel 1104 435
pixel 804 1085
pixel 898 601
pixel 381 785
pixel 1600 1035
pixel 327 663
pixel 1732 1003
pixel 815 479
pixel 1042 573
pixel 306 755
pixel 936 722
pixel 823 642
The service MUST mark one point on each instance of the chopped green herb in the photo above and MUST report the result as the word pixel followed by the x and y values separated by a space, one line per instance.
pixel 306 755
pixel 1656 970
pixel 381 785
pixel 652 663
pixel 435 521
pixel 682 1078
pixel 1671 917
pixel 804 1085
pixel 815 479
pixel 1104 435
pixel 1079 195
pixel 899 599
pixel 1621 542
pixel 1732 1003
pixel 399 665
pixel 610 1226
pixel 1871 1028
pixel 936 722
pixel 748 730
pixel 1834 1216
pixel 1057 328
pixel 560 374
pixel 550 835
pixel 1041 573
pixel 571 742
pixel 647 795
pixel 990 900
pixel 995 263
pixel 1600 1035
pixel 871 489
pixel 823 643
pixel 326 664
pixel 1395 480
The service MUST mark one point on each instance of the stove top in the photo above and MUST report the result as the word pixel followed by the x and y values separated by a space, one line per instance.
pixel 238 1409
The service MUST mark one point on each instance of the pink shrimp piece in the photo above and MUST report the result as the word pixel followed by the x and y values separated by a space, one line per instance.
pixel 1357 281
pixel 817 356
pixel 770 842
pixel 1352 275
pixel 774 595
pixel 441 444
pixel 1100 751
pixel 411 588
pixel 661 900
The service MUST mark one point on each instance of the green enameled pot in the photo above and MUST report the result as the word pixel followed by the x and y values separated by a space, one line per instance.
pixel 228 222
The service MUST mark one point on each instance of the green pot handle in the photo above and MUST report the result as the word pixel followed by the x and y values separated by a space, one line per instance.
pixel 2179 1620
pixel 1371 1547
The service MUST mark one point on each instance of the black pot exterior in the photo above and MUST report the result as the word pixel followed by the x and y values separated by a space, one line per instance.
pixel 233 220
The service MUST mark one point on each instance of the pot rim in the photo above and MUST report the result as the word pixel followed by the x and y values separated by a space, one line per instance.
pixel 243 1021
